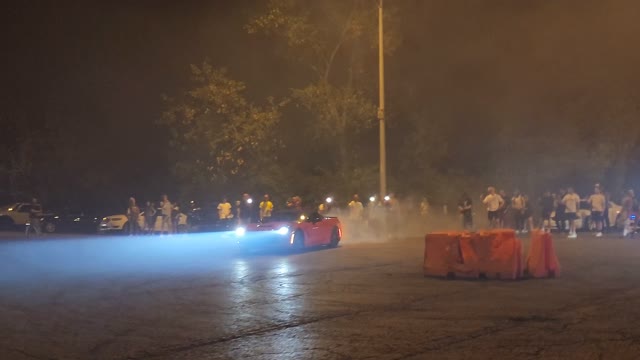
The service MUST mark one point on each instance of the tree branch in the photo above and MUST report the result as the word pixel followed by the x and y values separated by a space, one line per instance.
pixel 341 39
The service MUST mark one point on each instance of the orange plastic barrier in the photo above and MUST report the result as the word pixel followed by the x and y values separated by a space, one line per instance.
pixel 495 254
pixel 443 256
pixel 501 254
pixel 542 261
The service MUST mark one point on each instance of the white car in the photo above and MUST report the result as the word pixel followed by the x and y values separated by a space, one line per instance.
pixel 120 223
pixel 583 222
pixel 15 214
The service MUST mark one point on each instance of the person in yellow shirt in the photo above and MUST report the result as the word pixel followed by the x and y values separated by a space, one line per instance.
pixel 266 207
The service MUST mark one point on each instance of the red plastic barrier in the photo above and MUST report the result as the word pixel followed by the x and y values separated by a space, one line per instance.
pixel 542 261
pixel 501 254
pixel 495 254
pixel 443 256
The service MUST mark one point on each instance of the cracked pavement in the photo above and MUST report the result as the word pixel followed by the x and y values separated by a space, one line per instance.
pixel 196 297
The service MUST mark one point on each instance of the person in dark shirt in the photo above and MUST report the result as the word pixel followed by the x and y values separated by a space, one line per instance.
pixel 246 209
pixel 547 204
pixel 465 209
pixel 35 212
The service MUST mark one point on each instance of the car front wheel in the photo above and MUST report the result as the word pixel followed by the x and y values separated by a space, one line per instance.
pixel 335 238
pixel 6 223
pixel 50 227
pixel 298 240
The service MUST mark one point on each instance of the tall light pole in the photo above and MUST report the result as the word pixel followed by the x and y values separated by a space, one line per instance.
pixel 383 150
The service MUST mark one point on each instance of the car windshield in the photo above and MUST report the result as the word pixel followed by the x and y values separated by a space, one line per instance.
pixel 282 217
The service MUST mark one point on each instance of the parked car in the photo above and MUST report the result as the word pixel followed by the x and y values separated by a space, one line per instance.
pixel 15 215
pixel 290 229
pixel 120 223
pixel 70 221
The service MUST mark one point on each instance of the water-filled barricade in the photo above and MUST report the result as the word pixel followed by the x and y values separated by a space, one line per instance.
pixel 444 256
pixel 542 261
pixel 495 254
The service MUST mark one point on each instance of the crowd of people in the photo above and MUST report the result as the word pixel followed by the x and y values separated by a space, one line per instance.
pixel 560 209
pixel 519 211
pixel 172 219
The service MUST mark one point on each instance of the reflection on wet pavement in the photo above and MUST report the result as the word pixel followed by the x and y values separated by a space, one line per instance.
pixel 197 297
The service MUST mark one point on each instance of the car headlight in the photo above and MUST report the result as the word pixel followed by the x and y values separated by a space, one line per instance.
pixel 240 231
pixel 283 230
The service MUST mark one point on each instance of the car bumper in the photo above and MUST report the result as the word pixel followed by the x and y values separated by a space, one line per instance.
pixel 105 228
pixel 264 240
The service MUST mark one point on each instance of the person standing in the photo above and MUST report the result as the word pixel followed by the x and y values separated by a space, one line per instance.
pixel 266 208
pixel 628 206
pixel 149 218
pixel 606 224
pixel 224 210
pixel 175 218
pixel 166 210
pixel 246 208
pixel 133 215
pixel 356 214
pixel 356 209
pixel 494 203
pixel 465 208
pixel 571 202
pixel 517 204
pixel 560 211
pixel 547 204
pixel 35 213
pixel 598 205
pixel 527 214
pixel 424 208
pixel 504 219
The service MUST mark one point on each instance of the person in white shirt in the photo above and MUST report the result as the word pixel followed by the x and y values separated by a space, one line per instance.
pixel 493 202
pixel 571 202
pixel 166 209
pixel 598 205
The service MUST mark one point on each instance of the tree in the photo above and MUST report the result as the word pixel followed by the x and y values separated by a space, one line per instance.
pixel 218 137
pixel 332 40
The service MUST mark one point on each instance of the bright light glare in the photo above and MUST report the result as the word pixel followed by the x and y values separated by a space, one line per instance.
pixel 283 230
pixel 10 209
pixel 387 198
pixel 240 231
pixel 372 198
pixel 329 200
pixel 303 218
pixel 249 201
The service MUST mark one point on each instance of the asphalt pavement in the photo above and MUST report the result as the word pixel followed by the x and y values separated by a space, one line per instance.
pixel 197 297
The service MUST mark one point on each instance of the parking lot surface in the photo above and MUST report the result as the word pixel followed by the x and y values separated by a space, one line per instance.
pixel 197 297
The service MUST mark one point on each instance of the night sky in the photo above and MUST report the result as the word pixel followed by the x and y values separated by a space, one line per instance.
pixel 98 69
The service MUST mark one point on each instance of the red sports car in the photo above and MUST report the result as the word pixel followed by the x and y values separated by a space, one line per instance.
pixel 292 230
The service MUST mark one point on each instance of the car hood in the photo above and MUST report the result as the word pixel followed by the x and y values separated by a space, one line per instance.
pixel 5 209
pixel 115 216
